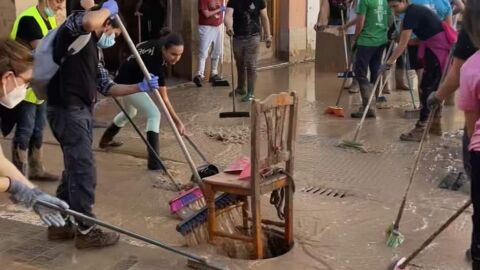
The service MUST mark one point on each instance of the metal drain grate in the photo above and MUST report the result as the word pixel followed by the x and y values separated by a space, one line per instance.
pixel 325 191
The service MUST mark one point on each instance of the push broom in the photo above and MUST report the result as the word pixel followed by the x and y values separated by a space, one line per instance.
pixel 402 263
pixel 336 110
pixel 200 262
pixel 233 113
pixel 394 237
pixel 354 144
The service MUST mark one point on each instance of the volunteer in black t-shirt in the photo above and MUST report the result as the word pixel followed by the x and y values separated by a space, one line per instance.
pixel 31 26
pixel 436 39
pixel 71 95
pixel 242 22
pixel 156 54
pixel 16 64
pixel 331 14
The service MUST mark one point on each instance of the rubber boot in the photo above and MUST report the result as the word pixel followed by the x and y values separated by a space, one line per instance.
pixel 107 138
pixel 153 163
pixel 36 170
pixel 20 159
pixel 249 96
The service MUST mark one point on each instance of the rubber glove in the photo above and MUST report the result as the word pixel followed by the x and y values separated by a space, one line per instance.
pixel 112 6
pixel 20 193
pixel 223 8
pixel 433 101
pixel 147 85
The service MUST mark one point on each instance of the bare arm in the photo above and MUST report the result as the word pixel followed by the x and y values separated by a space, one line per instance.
pixel 402 45
pixel 94 20
pixel 458 6
pixel 209 13
pixel 164 94
pixel 324 13
pixel 8 169
pixel 265 23
pixel 471 117
pixel 229 19
pixel 360 22
pixel 452 80
pixel 87 4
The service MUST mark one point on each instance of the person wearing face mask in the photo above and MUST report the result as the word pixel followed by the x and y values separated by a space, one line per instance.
pixel 16 63
pixel 30 27
pixel 157 54
pixel 71 96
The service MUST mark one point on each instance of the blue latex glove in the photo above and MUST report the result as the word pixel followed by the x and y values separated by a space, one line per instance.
pixel 147 85
pixel 223 8
pixel 20 193
pixel 112 6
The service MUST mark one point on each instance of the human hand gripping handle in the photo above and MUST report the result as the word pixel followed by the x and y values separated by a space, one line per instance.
pixel 148 85
pixel 20 193
pixel 112 6
pixel 433 101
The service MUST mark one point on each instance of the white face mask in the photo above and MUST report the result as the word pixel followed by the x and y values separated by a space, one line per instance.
pixel 15 96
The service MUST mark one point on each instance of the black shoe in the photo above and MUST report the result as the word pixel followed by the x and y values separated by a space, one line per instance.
pixel 107 138
pixel 153 162
pixel 359 114
pixel 96 238
pixel 238 92
pixel 214 78
pixel 198 80
pixel 381 99
pixel 61 233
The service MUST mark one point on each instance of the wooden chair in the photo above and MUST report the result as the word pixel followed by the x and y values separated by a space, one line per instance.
pixel 273 130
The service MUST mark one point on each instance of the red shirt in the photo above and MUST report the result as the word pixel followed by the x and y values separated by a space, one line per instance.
pixel 210 5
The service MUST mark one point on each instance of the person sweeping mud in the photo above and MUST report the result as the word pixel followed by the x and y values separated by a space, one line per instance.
pixel 71 96
pixel 370 39
pixel 436 39
pixel 30 27
pixel 469 102
pixel 157 54
pixel 242 22
pixel 16 62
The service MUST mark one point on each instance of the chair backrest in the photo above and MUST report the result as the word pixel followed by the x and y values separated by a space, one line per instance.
pixel 273 131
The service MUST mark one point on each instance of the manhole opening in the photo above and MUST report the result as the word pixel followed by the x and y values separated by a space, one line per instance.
pixel 274 245
pixel 324 191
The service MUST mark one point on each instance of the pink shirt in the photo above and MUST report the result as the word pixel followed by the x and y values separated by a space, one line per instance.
pixel 469 94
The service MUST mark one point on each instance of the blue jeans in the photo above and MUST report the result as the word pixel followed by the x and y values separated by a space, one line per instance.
pixel 73 129
pixel 30 124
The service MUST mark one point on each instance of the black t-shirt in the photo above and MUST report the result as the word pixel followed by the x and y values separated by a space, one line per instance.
pixel 75 83
pixel 422 21
pixel 464 47
pixel 29 30
pixel 151 53
pixel 336 8
pixel 246 16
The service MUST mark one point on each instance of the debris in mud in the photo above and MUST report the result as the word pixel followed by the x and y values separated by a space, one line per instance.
pixel 234 135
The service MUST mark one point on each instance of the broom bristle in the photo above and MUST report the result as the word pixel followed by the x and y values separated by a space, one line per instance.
pixel 352 145
pixel 395 239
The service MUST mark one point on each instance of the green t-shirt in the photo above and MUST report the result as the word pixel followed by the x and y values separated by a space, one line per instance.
pixel 374 32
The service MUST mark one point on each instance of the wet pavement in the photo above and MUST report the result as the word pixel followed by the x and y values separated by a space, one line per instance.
pixel 331 232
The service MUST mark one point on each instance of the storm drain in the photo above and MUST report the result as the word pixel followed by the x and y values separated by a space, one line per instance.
pixel 325 191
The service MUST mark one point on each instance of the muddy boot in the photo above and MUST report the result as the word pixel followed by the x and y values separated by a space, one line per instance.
pixel 153 163
pixel 20 159
pixel 36 169
pixel 107 138
pixel 414 135
pixel 61 233
pixel 436 128
pixel 95 238
pixel 370 113
pixel 249 96
pixel 238 92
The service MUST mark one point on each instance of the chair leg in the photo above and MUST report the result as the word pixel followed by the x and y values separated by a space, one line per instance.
pixel 257 229
pixel 245 213
pixel 289 215
pixel 211 218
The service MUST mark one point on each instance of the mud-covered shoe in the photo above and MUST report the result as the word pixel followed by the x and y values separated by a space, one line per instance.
pixel 214 78
pixel 96 238
pixel 61 233
pixel 370 113
pixel 198 80
pixel 414 135
pixel 238 92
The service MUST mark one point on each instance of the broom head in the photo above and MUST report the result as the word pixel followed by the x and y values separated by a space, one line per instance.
pixel 335 110
pixel 184 199
pixel 395 238
pixel 352 145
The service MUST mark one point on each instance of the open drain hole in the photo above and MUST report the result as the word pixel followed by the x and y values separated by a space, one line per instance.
pixel 327 192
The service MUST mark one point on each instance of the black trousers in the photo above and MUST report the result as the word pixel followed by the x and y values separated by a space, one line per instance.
pixel 430 81
pixel 365 58
pixel 475 195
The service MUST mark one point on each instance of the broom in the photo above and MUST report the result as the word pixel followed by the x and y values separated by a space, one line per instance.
pixel 353 144
pixel 336 110
pixel 402 263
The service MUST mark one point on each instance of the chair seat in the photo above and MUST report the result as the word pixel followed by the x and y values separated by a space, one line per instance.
pixel 230 183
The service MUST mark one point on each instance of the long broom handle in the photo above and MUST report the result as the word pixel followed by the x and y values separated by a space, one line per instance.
pixel 233 74
pixel 149 146
pixel 128 233
pixel 194 145
pixel 348 63
pixel 344 40
pixel 396 225
pixel 435 234
pixel 159 98
pixel 409 81
pixel 374 89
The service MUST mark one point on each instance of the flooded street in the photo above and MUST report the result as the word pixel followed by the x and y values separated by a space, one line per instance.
pixel 344 199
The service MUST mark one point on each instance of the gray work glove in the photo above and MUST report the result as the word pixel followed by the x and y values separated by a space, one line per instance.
pixel 432 101
pixel 20 193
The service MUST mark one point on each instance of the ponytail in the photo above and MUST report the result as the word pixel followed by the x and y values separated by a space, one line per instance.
pixel 169 39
